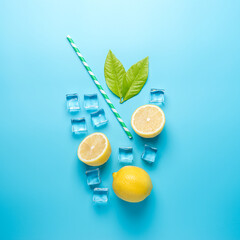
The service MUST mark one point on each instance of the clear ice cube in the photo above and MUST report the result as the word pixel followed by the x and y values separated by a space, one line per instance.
pixel 79 125
pixel 93 177
pixel 72 102
pixel 149 154
pixel 125 155
pixel 157 96
pixel 100 195
pixel 91 101
pixel 99 118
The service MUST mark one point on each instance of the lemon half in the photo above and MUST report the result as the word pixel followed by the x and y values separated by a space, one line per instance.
pixel 148 121
pixel 132 184
pixel 94 150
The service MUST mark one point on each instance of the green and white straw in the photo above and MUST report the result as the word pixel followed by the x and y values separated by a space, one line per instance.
pixel 99 87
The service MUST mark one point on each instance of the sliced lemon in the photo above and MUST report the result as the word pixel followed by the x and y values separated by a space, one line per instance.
pixel 94 150
pixel 148 120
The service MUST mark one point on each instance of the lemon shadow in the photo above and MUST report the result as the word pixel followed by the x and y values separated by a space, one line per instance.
pixel 136 218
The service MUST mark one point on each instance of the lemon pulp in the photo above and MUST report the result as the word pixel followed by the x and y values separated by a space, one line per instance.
pixel 94 150
pixel 148 120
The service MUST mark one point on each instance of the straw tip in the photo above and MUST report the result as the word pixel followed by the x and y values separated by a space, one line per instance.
pixel 68 36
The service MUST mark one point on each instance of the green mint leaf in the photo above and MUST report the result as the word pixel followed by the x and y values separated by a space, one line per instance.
pixel 125 87
pixel 114 73
pixel 136 77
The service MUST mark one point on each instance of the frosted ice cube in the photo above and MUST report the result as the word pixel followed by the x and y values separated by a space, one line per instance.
pixel 93 177
pixel 79 125
pixel 157 96
pixel 91 101
pixel 99 118
pixel 72 102
pixel 100 195
pixel 125 155
pixel 149 154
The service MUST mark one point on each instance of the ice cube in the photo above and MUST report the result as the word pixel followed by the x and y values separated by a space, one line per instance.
pixel 100 195
pixel 157 96
pixel 91 101
pixel 79 125
pixel 125 155
pixel 93 177
pixel 99 118
pixel 149 154
pixel 72 102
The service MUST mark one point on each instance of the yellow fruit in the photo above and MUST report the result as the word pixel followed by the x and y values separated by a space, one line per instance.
pixel 94 150
pixel 148 121
pixel 132 184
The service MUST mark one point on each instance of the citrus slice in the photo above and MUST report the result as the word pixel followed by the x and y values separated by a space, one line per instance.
pixel 148 121
pixel 94 150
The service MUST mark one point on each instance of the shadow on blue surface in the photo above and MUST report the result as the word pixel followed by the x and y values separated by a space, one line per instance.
pixel 79 136
pixel 132 216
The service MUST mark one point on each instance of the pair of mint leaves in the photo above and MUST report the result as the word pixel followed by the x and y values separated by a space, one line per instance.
pixel 125 84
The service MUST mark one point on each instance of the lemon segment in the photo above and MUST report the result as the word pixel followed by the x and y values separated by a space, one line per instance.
pixel 94 150
pixel 132 184
pixel 148 121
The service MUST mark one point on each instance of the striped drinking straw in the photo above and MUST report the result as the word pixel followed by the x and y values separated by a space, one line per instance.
pixel 99 87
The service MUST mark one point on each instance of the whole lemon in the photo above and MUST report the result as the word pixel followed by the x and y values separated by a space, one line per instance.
pixel 132 184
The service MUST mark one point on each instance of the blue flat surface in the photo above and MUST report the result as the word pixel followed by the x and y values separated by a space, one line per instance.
pixel 194 54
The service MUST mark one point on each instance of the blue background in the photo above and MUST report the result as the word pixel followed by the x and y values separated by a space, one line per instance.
pixel 194 54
